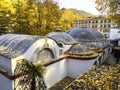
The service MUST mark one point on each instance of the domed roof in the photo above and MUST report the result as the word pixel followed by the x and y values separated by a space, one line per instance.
pixel 77 48
pixel 12 45
pixel 90 45
pixel 62 37
pixel 85 34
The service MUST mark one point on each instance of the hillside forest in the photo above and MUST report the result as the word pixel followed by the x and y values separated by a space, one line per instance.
pixel 35 17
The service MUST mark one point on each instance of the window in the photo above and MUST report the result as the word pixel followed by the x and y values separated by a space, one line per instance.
pixel 60 51
pixel 100 26
pixel 104 21
pixel 109 21
pixel 109 26
pixel 104 30
pixel 95 26
pixel 104 26
pixel 96 21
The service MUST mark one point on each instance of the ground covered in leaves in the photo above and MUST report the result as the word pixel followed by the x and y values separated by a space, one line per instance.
pixel 62 84
pixel 105 77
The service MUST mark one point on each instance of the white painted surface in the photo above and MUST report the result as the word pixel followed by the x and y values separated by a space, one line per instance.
pixel 5 83
pixel 114 33
pixel 118 33
pixel 55 73
pixel 72 68
pixel 106 55
pixel 40 43
pixel 99 62
pixel 5 64
pixel 77 67
pixel 118 43
pixel 100 44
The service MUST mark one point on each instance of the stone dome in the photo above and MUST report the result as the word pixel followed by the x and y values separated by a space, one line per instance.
pixel 62 37
pixel 12 45
pixel 81 34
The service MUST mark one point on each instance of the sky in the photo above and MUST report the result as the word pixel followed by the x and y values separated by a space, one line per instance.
pixel 86 5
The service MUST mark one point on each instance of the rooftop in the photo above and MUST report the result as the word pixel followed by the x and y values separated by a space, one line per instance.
pixel 12 45
pixel 62 37
pixel 81 34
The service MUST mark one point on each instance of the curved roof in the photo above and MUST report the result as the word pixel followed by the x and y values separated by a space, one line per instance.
pixel 90 45
pixel 62 37
pixel 77 48
pixel 85 34
pixel 12 45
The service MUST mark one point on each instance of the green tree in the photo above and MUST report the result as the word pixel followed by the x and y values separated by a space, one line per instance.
pixel 110 8
pixel 34 76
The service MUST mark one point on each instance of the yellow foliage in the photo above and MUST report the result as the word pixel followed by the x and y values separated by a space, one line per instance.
pixel 67 18
pixel 110 8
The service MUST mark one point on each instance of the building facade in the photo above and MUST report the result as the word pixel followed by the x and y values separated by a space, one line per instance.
pixel 60 53
pixel 99 23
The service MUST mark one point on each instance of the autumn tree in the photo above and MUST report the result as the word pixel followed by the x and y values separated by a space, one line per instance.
pixel 6 14
pixel 110 8
pixel 47 15
pixel 67 18
pixel 30 16
pixel 52 15
pixel 19 18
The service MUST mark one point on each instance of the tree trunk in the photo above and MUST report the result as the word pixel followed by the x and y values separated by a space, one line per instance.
pixel 33 84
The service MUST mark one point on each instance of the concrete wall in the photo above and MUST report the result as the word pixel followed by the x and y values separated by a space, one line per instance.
pixel 106 54
pixel 55 72
pixel 114 33
pixel 67 67
pixel 119 43
pixel 100 59
pixel 77 67
pixel 5 64
pixel 5 83
pixel 100 44
pixel 41 44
